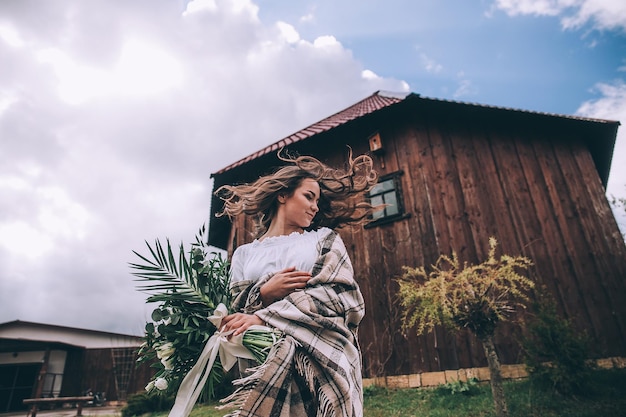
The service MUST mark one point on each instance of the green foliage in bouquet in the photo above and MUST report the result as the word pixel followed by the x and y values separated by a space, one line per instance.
pixel 188 286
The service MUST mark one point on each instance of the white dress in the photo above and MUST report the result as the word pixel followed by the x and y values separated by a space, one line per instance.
pixel 273 254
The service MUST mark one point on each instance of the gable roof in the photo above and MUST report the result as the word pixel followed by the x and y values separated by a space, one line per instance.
pixel 376 101
pixel 90 339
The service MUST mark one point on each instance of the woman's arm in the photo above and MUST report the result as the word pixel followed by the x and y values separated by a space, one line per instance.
pixel 275 288
pixel 282 284
pixel 240 322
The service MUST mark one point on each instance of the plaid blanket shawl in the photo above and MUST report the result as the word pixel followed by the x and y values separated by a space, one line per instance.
pixel 315 368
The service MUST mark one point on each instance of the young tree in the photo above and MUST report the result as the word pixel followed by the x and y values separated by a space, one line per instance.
pixel 474 297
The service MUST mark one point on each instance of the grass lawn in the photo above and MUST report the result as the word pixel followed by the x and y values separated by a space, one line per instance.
pixel 606 398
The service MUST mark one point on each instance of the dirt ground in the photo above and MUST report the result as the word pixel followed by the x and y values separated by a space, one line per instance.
pixel 70 412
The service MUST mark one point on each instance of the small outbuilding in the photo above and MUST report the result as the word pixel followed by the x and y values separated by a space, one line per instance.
pixel 42 360
pixel 452 175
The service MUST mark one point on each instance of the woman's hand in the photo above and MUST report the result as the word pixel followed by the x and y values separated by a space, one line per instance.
pixel 282 284
pixel 239 322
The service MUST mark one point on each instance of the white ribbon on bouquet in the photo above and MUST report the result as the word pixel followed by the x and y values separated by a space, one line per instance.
pixel 229 350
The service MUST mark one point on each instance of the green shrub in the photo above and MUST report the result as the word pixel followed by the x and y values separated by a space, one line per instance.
pixel 468 387
pixel 555 353
pixel 142 403
pixel 374 390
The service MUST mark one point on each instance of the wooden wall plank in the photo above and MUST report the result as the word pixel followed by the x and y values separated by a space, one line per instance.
pixel 579 306
pixel 478 213
pixel 436 177
pixel 486 158
pixel 412 245
pixel 421 228
pixel 613 250
pixel 548 251
pixel 515 191
pixel 595 246
pixel 98 372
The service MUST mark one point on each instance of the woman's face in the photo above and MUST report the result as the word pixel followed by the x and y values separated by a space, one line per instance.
pixel 299 209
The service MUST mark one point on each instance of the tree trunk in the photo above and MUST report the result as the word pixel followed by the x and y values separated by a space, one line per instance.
pixel 497 389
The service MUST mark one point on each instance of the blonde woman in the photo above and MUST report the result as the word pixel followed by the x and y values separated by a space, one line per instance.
pixel 297 277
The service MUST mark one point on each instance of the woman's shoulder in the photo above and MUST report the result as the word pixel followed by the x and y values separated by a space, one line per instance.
pixel 324 232
pixel 242 250
pixel 328 237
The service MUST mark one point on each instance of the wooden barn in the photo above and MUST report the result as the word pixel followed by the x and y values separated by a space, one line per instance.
pixel 455 174
pixel 41 360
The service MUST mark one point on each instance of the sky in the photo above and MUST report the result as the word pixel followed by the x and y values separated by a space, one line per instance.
pixel 114 113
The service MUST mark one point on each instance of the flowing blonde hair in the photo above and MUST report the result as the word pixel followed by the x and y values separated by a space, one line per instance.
pixel 339 188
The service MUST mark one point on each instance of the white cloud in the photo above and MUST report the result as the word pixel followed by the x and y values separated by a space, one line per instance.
pixel 369 75
pixel 10 36
pixel 216 6
pixel 288 32
pixel 604 14
pixel 533 7
pixel 612 104
pixel 309 17
pixel 601 14
pixel 22 240
pixel 429 64
pixel 326 42
pixel 385 84
pixel 142 69
pixel 465 87
pixel 196 6
pixel 36 217
pixel 7 98
pixel 113 115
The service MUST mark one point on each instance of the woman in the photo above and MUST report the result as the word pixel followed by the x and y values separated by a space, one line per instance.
pixel 297 277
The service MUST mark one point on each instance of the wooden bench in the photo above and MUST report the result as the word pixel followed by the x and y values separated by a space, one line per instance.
pixel 36 402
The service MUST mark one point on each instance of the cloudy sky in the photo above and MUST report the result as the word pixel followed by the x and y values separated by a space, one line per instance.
pixel 114 113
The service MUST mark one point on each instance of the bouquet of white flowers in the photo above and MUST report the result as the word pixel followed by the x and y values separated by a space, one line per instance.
pixel 183 339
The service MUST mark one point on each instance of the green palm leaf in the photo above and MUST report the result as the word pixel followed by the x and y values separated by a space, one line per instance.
pixel 187 285
pixel 188 277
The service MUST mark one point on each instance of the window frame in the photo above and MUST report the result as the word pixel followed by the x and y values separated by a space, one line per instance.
pixel 397 188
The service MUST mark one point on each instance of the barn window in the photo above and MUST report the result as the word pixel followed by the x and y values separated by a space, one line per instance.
pixel 387 193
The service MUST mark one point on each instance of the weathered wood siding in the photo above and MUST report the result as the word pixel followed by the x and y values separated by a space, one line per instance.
pixel 526 179
pixel 93 368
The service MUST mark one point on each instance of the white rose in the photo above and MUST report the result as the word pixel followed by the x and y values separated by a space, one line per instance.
pixel 161 384
pixel 150 386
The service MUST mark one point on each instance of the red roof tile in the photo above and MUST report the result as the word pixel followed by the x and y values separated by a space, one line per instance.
pixel 376 101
